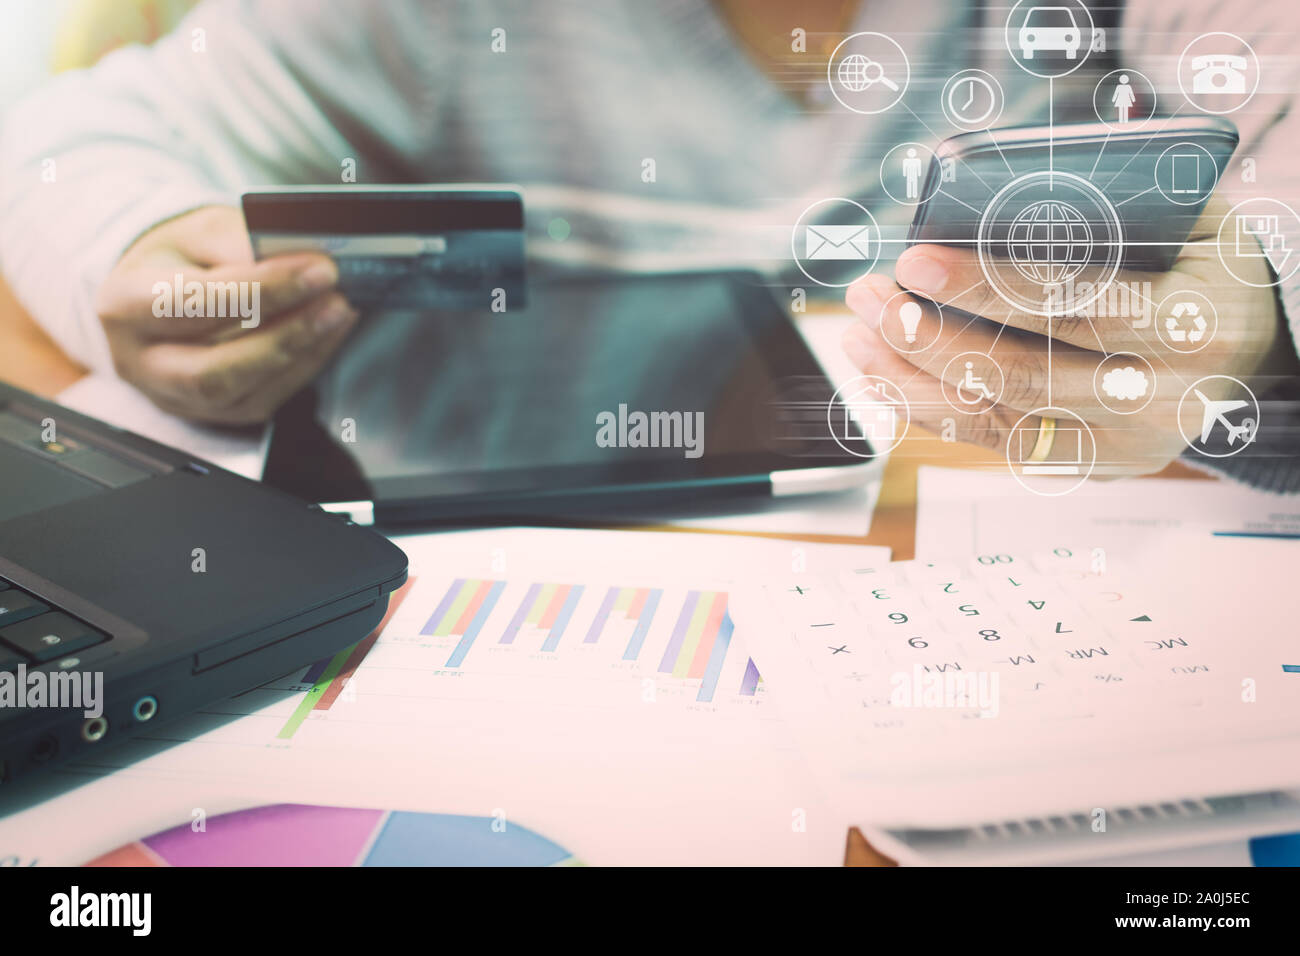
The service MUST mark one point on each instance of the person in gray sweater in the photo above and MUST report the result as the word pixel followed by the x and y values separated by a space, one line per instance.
pixel 683 133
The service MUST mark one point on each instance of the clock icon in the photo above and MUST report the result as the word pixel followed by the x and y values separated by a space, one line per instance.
pixel 972 99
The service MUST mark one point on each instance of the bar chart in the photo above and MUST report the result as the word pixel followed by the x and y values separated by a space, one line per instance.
pixel 545 609
pixel 699 642
pixel 631 606
pixel 463 611
pixel 330 676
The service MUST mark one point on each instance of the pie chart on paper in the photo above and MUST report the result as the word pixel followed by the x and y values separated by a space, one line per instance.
pixel 292 834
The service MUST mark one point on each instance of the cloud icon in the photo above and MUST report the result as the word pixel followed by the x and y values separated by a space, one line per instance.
pixel 1126 383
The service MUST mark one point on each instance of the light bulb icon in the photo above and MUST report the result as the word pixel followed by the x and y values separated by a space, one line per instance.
pixel 910 315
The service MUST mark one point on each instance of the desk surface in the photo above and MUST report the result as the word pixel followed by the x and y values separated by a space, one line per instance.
pixel 30 360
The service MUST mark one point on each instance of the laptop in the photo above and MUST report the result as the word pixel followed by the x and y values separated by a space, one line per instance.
pixel 138 584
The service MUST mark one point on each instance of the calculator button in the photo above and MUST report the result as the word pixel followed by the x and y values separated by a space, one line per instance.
pixel 922 573
pixel 865 580
pixel 50 636
pixel 16 606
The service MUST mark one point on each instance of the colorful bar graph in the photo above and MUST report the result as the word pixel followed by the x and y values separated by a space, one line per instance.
pixel 749 683
pixel 545 607
pixel 632 604
pixel 332 674
pixel 718 654
pixel 561 620
pixel 473 617
pixel 462 612
pixel 691 646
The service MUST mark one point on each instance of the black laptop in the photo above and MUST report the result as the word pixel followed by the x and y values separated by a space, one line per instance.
pixel 167 580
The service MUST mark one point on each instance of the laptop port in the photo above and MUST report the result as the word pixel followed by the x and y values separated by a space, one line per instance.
pixel 45 749
pixel 145 708
pixel 94 729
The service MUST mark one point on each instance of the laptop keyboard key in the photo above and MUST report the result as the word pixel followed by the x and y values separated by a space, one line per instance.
pixel 50 636
pixel 9 660
pixel 16 606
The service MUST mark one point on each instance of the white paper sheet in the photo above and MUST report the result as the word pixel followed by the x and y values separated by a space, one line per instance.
pixel 611 756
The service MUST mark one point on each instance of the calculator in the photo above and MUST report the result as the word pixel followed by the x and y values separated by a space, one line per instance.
pixel 1018 703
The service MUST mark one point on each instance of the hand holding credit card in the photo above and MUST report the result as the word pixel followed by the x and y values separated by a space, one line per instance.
pixel 402 247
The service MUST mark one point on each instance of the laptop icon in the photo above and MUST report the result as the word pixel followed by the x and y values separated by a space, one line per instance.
pixel 1067 440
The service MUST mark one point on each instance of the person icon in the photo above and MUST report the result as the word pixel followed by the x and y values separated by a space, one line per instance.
pixel 912 173
pixel 1123 98
pixel 975 385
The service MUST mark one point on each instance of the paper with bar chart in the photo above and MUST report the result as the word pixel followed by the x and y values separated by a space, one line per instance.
pixel 557 676
pixel 601 644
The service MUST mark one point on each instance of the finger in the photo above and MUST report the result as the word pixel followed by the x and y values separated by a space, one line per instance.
pixel 214 235
pixel 214 382
pixel 955 279
pixel 1012 364
pixel 185 302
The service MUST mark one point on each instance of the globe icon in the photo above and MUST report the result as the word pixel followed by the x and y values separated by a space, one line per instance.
pixel 1049 242
pixel 853 73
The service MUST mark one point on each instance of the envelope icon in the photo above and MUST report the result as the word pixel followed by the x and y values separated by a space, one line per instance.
pixel 837 242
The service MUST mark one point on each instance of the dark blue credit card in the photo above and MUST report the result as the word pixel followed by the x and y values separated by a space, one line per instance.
pixel 402 247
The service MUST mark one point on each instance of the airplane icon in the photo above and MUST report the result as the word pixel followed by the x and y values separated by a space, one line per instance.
pixel 1217 412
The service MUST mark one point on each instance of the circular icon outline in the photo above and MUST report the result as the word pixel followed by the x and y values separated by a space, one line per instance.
pixel 874 239
pixel 1160 324
pixel 1131 125
pixel 853 383
pixel 1085 49
pixel 989 82
pixel 1057 413
pixel 992 400
pixel 903 293
pixel 983 242
pixel 1097 377
pixel 1295 259
pixel 1182 88
pixel 1196 200
pixel 1191 443
pixel 832 67
pixel 885 186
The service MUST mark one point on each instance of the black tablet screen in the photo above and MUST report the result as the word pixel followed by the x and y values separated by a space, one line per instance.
pixel 597 382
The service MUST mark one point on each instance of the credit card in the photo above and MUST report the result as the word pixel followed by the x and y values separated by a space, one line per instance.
pixel 402 247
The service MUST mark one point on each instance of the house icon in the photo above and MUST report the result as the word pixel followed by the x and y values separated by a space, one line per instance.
pixel 869 415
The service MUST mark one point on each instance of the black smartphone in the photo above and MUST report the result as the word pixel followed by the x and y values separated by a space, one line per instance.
pixel 1133 195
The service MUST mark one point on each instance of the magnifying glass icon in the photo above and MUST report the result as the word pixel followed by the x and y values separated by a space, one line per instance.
pixel 869 66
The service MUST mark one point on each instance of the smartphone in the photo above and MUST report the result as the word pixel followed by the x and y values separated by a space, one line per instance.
pixel 1154 181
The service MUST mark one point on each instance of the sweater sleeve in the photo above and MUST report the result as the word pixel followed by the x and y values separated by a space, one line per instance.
pixel 240 93
pixel 1153 35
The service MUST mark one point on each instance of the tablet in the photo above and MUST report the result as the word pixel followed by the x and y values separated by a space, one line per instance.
pixel 605 392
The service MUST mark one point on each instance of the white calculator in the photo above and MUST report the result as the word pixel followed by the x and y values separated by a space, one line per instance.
pixel 1008 699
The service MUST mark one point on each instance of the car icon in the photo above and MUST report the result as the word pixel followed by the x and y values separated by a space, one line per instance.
pixel 1049 28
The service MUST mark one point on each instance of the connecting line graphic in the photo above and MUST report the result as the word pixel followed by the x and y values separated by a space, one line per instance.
pixel 938 137
pixel 996 145
pixel 1159 357
pixel 1051 167
pixel 1138 152
pixel 1135 196
pixel 1051 185
pixel 969 323
pixel 1104 142
pixel 943 192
